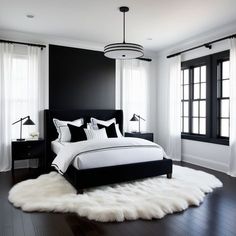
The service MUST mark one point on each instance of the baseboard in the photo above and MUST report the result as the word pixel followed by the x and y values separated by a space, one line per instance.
pixel 206 163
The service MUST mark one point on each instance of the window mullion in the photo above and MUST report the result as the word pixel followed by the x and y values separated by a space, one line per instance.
pixel 190 99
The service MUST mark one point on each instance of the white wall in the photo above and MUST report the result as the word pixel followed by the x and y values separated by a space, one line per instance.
pixel 212 156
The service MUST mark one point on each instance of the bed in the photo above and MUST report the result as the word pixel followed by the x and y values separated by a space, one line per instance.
pixel 91 175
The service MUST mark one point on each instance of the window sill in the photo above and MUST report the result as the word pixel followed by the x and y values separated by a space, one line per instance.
pixel 221 141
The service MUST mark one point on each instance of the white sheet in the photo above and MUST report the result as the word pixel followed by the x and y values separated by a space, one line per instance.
pixel 56 146
pixel 109 152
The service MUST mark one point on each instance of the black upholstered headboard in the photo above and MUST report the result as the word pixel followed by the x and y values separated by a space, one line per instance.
pixel 50 132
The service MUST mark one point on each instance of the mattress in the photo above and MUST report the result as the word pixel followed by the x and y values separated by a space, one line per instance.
pixel 105 157
pixel 115 157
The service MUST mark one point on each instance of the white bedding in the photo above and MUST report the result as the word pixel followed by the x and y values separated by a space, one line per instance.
pixel 56 146
pixel 101 153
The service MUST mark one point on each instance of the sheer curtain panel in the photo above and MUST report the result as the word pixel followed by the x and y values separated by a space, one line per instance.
pixel 232 167
pixel 6 53
pixel 133 92
pixel 174 143
pixel 21 94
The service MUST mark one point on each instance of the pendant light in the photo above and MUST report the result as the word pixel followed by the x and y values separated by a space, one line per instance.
pixel 123 50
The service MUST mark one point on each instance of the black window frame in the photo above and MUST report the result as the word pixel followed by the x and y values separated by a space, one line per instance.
pixel 212 124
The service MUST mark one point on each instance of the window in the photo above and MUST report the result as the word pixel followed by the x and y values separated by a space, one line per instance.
pixel 205 98
pixel 223 98
pixel 133 92
pixel 24 88
pixel 19 93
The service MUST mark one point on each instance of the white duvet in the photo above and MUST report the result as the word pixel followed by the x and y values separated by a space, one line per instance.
pixel 107 152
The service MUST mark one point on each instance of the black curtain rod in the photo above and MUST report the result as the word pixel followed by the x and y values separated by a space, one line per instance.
pixel 28 44
pixel 207 45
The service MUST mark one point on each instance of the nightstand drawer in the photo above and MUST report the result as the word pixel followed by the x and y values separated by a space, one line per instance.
pixel 27 150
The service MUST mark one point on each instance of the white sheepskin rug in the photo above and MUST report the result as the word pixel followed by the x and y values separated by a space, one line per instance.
pixel 147 199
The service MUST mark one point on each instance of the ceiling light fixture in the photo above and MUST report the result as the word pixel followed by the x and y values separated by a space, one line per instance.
pixel 123 50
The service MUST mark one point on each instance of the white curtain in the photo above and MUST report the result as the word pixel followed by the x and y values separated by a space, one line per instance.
pixel 232 166
pixel 174 142
pixel 21 92
pixel 6 52
pixel 133 92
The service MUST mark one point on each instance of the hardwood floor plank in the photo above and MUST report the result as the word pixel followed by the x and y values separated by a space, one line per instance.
pixel 214 217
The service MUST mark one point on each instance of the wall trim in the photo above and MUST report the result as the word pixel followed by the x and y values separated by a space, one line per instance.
pixel 205 163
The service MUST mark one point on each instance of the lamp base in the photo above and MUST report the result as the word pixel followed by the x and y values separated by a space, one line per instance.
pixel 20 139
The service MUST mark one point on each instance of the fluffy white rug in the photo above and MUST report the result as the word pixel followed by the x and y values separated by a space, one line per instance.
pixel 143 199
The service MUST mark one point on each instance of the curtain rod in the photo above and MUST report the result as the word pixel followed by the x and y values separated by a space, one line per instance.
pixel 207 45
pixel 28 44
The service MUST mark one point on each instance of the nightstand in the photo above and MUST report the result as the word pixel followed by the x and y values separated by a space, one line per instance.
pixel 28 149
pixel 147 136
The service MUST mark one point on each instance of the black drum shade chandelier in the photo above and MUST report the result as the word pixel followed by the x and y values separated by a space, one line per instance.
pixel 123 50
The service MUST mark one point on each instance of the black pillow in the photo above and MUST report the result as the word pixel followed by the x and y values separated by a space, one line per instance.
pixel 110 130
pixel 77 133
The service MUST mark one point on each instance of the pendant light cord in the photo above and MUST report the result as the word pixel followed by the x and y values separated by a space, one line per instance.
pixel 123 27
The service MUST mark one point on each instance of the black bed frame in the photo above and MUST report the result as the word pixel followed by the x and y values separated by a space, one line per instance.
pixel 86 178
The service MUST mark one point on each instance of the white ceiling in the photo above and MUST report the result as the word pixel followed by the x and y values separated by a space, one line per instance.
pixel 167 22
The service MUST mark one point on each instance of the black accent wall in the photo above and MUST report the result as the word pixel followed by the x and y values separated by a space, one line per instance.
pixel 80 79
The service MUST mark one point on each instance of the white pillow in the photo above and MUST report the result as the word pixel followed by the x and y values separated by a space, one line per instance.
pixel 96 134
pixel 63 130
pixel 90 126
pixel 119 134
pixel 94 122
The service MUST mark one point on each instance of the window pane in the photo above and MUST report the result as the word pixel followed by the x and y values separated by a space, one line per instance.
pixel 224 131
pixel 182 90
pixel 203 90
pixel 186 76
pixel 195 108
pixel 181 109
pixel 186 92
pixel 203 108
pixel 202 125
pixel 218 88
pixel 225 70
pixel 224 108
pixel 196 74
pixel 182 77
pixel 195 125
pixel 203 73
pixel 196 91
pixel 225 88
pixel 185 108
pixel 186 129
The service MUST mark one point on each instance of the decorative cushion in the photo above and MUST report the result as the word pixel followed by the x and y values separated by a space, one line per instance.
pixel 95 134
pixel 94 125
pixel 63 130
pixel 77 133
pixel 110 130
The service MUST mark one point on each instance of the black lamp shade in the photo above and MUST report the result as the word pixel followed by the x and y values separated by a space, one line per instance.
pixel 134 118
pixel 28 122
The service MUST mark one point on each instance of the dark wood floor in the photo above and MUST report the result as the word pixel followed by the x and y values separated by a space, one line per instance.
pixel 215 217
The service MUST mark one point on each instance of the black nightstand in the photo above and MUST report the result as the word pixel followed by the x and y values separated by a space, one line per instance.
pixel 28 149
pixel 147 136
